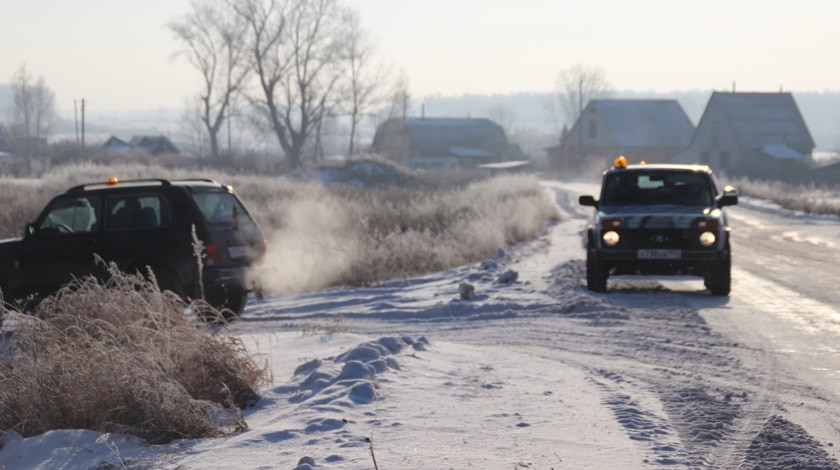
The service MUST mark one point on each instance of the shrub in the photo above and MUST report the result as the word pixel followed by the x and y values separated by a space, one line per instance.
pixel 810 198
pixel 329 237
pixel 122 357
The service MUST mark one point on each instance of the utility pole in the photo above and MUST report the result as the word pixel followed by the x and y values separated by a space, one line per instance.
pixel 83 123
pixel 582 154
pixel 76 117
pixel 230 155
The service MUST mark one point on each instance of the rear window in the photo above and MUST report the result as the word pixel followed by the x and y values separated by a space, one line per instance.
pixel 658 187
pixel 220 208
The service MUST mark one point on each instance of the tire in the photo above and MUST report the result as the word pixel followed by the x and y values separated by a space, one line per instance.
pixel 719 277
pixel 166 280
pixel 229 300
pixel 3 306
pixel 235 304
pixel 596 273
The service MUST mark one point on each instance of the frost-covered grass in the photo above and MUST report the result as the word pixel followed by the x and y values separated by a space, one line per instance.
pixel 328 234
pixel 805 198
pixel 325 236
pixel 122 358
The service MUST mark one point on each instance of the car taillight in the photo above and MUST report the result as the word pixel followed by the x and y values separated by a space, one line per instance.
pixel 212 251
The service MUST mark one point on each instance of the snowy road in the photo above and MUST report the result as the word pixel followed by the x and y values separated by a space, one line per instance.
pixel 544 374
pixel 540 373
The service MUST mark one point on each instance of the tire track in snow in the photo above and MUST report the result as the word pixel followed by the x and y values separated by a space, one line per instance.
pixel 778 324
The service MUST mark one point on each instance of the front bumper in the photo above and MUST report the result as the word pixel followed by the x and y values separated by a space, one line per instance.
pixel 690 262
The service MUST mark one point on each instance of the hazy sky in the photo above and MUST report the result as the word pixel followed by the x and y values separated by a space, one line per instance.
pixel 118 53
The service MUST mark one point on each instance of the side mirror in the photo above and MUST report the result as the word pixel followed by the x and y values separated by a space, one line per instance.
pixel 29 231
pixel 728 200
pixel 729 196
pixel 587 201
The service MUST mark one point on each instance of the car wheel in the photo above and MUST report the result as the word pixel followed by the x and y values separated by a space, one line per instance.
pixel 596 273
pixel 229 300
pixel 235 305
pixel 166 281
pixel 719 278
pixel 3 306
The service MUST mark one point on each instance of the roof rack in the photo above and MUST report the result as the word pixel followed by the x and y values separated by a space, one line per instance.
pixel 117 183
pixel 187 180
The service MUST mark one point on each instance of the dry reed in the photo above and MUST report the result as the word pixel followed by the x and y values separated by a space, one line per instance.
pixel 122 357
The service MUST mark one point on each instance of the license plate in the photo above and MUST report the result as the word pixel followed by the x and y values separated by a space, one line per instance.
pixel 659 254
pixel 237 252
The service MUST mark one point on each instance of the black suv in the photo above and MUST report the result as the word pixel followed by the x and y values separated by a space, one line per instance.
pixel 138 224
pixel 660 219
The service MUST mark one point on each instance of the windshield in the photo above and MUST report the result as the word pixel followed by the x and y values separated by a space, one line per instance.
pixel 658 187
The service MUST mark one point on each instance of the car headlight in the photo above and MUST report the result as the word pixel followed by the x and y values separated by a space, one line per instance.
pixel 610 238
pixel 707 238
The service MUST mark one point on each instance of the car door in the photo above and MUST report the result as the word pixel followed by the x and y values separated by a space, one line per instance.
pixel 138 230
pixel 60 244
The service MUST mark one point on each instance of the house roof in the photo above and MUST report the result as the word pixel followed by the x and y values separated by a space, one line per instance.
pixel 443 134
pixel 644 123
pixel 783 152
pixel 153 143
pixel 759 119
pixel 115 142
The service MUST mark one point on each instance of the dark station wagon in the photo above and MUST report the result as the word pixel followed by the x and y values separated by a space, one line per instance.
pixel 660 219
pixel 138 224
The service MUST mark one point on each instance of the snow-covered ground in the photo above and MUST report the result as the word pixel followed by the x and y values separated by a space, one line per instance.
pixel 512 364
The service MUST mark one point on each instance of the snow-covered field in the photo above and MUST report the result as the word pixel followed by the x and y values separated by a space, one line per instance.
pixel 512 364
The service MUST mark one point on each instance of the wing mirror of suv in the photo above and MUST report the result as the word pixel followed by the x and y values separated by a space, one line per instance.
pixel 587 201
pixel 729 197
pixel 29 231
pixel 728 200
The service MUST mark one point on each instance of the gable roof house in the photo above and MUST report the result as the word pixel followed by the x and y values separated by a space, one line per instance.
pixel 752 134
pixel 114 143
pixel 151 144
pixel 651 130
pixel 443 142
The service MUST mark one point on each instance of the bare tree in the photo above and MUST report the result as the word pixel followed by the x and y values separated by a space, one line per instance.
pixel 294 47
pixel 192 129
pixel 398 99
pixel 33 109
pixel 213 44
pixel 575 87
pixel 365 88
pixel 503 116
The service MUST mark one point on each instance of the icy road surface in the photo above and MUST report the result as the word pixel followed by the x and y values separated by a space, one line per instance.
pixel 538 373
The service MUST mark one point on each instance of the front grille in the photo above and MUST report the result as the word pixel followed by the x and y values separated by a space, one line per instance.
pixel 656 239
